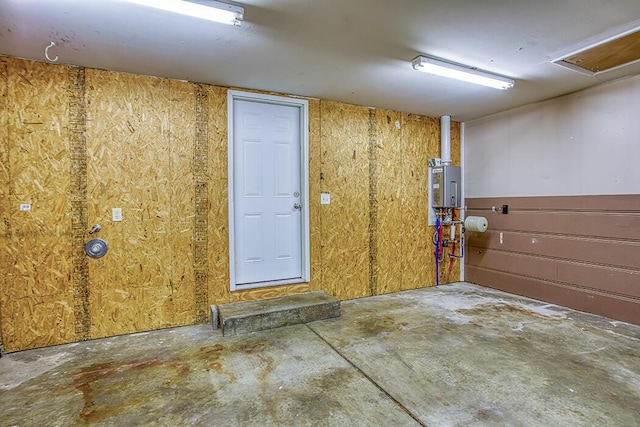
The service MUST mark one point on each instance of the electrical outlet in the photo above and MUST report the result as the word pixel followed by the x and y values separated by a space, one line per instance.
pixel 116 214
pixel 25 207
pixel 325 198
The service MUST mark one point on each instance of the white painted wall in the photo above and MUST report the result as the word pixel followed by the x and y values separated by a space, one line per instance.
pixel 586 143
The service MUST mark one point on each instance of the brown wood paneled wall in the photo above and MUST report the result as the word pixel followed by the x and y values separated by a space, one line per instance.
pixel 582 252
pixel 76 142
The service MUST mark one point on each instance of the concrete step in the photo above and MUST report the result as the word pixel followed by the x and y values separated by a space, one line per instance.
pixel 249 316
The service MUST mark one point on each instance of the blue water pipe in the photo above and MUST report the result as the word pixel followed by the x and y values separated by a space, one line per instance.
pixel 437 250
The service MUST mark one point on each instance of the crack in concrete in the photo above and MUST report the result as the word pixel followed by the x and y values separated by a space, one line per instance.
pixel 371 380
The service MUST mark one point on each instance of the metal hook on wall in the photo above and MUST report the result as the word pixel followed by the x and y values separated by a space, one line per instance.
pixel 46 52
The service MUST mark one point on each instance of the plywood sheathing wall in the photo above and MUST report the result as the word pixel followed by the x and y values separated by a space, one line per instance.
pixel 140 139
pixel 37 300
pixel 4 185
pixel 5 263
pixel 345 222
pixel 389 191
pixel 158 149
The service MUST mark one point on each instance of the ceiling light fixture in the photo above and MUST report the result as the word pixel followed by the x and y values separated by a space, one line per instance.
pixel 465 73
pixel 215 11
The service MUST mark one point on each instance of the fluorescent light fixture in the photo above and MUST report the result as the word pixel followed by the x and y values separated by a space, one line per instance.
pixel 215 11
pixel 465 73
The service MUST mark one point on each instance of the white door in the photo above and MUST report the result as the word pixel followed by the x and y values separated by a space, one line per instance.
pixel 269 193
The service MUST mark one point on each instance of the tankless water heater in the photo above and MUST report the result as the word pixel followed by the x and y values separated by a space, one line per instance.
pixel 446 186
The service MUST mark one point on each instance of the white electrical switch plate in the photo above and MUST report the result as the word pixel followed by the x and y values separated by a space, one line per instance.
pixel 116 214
pixel 501 238
pixel 325 198
pixel 25 207
pixel 397 124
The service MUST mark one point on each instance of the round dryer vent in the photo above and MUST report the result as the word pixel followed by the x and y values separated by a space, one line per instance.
pixel 96 248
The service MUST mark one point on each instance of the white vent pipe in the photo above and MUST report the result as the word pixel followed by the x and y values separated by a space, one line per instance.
pixel 445 140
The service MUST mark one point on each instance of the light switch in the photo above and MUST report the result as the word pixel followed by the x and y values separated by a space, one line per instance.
pixel 116 214
pixel 325 198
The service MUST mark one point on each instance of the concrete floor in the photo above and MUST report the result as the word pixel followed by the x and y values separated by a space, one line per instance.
pixel 459 355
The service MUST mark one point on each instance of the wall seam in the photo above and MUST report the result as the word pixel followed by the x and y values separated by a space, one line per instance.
pixel 79 220
pixel 373 204
pixel 201 200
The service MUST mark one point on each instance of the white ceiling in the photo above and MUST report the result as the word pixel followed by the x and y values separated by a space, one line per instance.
pixel 354 51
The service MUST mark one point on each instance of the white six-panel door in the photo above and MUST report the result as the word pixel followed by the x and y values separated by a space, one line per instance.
pixel 269 232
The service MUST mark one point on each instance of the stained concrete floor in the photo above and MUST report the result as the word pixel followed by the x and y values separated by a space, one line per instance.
pixel 458 355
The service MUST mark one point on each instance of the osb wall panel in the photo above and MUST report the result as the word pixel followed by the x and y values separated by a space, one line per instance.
pixel 421 141
pixel 345 222
pixel 158 149
pixel 182 112
pixel 218 237
pixel 129 166
pixel 419 135
pixel 389 193
pixel 315 188
pixel 36 296
pixel 5 215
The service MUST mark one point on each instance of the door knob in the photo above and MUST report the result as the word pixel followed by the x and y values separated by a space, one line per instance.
pixel 297 206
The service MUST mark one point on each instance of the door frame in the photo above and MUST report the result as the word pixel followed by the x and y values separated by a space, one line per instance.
pixel 303 114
